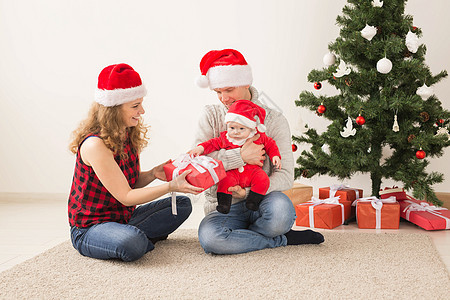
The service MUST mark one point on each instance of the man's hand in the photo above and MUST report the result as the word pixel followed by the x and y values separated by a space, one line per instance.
pixel 251 153
pixel 237 192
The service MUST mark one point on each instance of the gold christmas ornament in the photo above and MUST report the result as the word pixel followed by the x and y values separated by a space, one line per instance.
pixel 395 127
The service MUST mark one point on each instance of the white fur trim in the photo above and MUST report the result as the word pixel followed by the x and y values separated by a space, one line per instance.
pixel 119 96
pixel 240 142
pixel 229 76
pixel 232 117
pixel 202 81
pixel 261 128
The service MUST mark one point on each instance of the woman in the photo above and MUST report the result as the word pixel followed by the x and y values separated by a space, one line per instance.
pixel 108 184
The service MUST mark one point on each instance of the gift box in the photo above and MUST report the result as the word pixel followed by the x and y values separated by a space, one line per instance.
pixel 206 171
pixel 372 212
pixel 299 193
pixel 396 192
pixel 424 214
pixel 445 198
pixel 322 213
pixel 345 192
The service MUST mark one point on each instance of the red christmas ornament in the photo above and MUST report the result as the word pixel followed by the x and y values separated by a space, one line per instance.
pixel 294 147
pixel 414 28
pixel 321 109
pixel 441 121
pixel 420 154
pixel 360 120
pixel 317 85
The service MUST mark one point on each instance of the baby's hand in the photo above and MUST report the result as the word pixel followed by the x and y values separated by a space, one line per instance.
pixel 276 160
pixel 196 151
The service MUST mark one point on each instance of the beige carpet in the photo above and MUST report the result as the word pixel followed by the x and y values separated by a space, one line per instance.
pixel 347 265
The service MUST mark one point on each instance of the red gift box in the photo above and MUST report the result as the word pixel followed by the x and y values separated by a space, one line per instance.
pixel 322 213
pixel 425 215
pixel 346 193
pixel 206 171
pixel 377 213
pixel 397 192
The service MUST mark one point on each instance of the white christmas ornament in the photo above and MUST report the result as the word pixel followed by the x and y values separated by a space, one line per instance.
pixel 348 129
pixel 368 32
pixel 424 92
pixel 342 70
pixel 364 98
pixel 412 42
pixel 395 127
pixel 377 3
pixel 326 149
pixel 384 66
pixel 329 59
pixel 441 131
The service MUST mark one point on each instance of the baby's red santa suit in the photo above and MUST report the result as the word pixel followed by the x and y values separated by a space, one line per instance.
pixel 250 115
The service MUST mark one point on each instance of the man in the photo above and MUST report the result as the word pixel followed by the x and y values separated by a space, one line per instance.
pixel 242 230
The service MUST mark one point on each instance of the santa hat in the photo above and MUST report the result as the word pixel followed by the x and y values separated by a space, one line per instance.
pixel 248 114
pixel 224 68
pixel 118 84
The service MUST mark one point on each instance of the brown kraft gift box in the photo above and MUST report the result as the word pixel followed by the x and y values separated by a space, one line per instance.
pixel 299 193
pixel 445 198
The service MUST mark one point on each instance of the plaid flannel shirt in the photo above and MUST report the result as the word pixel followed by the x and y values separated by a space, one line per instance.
pixel 90 202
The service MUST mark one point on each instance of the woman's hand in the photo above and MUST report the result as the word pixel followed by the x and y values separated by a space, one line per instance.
pixel 237 192
pixel 158 171
pixel 179 184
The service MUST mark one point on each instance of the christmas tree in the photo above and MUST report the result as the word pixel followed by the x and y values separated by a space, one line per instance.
pixel 385 100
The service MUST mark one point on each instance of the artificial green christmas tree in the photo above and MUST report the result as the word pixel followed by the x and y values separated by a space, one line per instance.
pixel 385 100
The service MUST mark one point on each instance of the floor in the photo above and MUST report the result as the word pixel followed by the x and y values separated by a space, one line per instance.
pixel 32 225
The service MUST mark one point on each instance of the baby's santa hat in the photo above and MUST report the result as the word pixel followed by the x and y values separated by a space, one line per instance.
pixel 248 114
pixel 224 68
pixel 118 84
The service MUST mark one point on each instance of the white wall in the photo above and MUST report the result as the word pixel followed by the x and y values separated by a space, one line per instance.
pixel 52 51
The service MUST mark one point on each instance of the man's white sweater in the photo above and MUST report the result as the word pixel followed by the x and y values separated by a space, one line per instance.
pixel 212 122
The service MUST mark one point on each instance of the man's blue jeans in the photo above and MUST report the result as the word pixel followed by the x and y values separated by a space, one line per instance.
pixel 131 241
pixel 243 230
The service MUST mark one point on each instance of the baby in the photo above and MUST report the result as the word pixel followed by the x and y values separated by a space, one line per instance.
pixel 244 120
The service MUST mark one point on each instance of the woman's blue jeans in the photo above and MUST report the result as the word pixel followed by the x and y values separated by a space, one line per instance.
pixel 243 230
pixel 131 241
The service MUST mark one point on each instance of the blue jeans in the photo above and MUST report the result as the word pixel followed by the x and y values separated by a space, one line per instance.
pixel 243 230
pixel 131 241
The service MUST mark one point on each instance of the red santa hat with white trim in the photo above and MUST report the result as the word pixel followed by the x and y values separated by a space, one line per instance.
pixel 118 84
pixel 247 113
pixel 224 68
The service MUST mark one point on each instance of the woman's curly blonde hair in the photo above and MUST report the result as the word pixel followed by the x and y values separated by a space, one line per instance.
pixel 107 123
